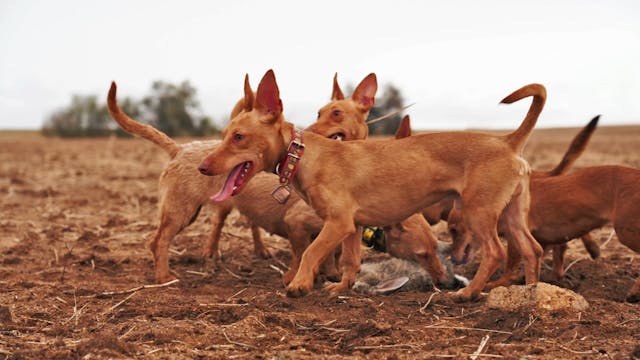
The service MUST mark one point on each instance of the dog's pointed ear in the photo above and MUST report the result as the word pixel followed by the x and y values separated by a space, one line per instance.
pixel 268 96
pixel 365 93
pixel 337 92
pixel 404 130
pixel 248 94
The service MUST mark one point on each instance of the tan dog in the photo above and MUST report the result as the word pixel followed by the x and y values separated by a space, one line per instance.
pixel 338 180
pixel 183 192
pixel 346 119
pixel 445 209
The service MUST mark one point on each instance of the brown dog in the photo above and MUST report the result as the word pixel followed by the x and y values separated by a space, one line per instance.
pixel 183 192
pixel 338 180
pixel 569 206
pixel 412 238
pixel 446 208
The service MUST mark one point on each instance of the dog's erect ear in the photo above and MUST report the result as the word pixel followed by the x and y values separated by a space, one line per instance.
pixel 365 93
pixel 404 130
pixel 248 94
pixel 268 96
pixel 337 92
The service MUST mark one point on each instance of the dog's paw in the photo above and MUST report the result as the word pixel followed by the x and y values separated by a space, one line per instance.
pixel 296 292
pixel 463 295
pixel 336 288
pixel 164 278
pixel 299 287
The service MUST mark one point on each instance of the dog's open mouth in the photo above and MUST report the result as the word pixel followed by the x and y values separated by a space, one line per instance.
pixel 337 136
pixel 236 179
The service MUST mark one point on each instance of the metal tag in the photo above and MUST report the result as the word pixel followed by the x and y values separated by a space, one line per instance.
pixel 281 194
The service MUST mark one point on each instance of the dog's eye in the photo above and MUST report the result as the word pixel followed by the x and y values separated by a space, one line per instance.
pixel 237 137
pixel 318 115
pixel 336 113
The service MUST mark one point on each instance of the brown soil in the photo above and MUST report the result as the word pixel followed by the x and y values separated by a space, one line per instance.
pixel 75 215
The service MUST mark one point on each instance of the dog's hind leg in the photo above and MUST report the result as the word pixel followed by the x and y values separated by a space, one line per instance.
pixel 627 227
pixel 259 249
pixel 483 227
pixel 211 247
pixel 298 244
pixel 628 233
pixel 517 233
pixel 592 246
pixel 511 272
pixel 558 260
pixel 482 204
pixel 159 246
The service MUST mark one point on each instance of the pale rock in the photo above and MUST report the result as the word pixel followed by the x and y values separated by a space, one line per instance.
pixel 540 296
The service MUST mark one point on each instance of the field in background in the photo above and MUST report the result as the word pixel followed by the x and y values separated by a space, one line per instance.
pixel 75 216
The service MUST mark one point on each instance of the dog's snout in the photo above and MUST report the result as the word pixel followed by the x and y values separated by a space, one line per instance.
pixel 204 169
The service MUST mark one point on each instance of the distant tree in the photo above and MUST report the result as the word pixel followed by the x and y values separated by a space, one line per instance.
pixel 171 108
pixel 390 101
pixel 206 127
pixel 83 117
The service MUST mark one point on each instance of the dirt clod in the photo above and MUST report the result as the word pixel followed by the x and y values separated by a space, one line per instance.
pixel 540 296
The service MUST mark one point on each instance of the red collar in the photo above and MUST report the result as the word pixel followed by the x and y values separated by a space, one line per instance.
pixel 287 167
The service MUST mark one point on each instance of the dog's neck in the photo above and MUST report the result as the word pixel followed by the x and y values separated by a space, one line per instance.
pixel 287 166
pixel 287 131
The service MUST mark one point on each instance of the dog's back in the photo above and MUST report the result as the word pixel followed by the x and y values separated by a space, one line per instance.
pixel 581 201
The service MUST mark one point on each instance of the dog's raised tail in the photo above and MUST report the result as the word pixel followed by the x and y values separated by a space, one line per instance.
pixel 135 128
pixel 576 148
pixel 518 138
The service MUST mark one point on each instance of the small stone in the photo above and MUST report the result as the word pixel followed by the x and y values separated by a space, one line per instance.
pixel 541 296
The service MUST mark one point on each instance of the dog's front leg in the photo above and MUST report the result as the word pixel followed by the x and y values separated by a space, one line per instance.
pixel 333 233
pixel 349 263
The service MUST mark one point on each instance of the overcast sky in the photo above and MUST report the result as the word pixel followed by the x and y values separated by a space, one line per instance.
pixel 454 59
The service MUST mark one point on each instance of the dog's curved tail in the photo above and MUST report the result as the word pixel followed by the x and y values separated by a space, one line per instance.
pixel 135 128
pixel 519 137
pixel 576 148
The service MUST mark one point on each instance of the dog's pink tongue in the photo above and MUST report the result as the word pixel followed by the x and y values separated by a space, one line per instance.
pixel 227 190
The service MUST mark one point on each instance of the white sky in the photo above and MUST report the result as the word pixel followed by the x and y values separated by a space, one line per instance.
pixel 454 59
